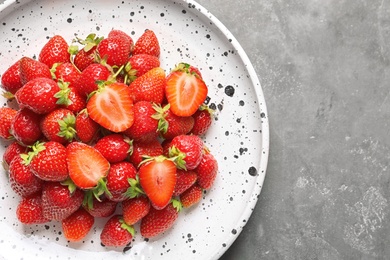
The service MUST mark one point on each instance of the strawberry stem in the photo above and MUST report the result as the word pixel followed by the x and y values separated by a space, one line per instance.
pixel 135 189
pixel 36 148
pixel 127 227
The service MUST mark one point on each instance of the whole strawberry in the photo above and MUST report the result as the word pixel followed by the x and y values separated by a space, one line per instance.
pixel 38 95
pixel 114 147
pixel 60 201
pixel 30 69
pixel 10 80
pixel 86 128
pixel 65 72
pixel 59 125
pixel 48 161
pixel 22 179
pixel 7 115
pixel 145 149
pixel 115 50
pixel 202 120
pixel 116 233
pixel 120 33
pixel 87 81
pixel 101 208
pixel 147 43
pixel 86 55
pixel 70 98
pixel 158 221
pixel 30 210
pixel 191 196
pixel 84 58
pixel 25 127
pixel 207 170
pixel 13 150
pixel 138 65
pixel 188 149
pixel 135 209
pixel 54 51
pixel 184 180
pixel 77 225
pixel 117 180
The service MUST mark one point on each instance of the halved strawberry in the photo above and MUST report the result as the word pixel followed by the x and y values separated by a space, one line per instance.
pixel 157 176
pixel 185 90
pixel 111 106
pixel 87 167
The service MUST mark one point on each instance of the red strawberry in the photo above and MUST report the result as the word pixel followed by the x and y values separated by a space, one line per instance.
pixel 147 44
pixel 13 150
pixel 59 125
pixel 188 149
pixel 54 51
pixel 25 127
pixel 86 56
pixel 101 209
pixel 144 128
pixel 86 128
pixel 116 233
pixel 139 64
pixel 184 180
pixel 171 125
pixel 202 120
pixel 149 87
pixel 65 72
pixel 60 201
pixel 30 210
pixel 10 80
pixel 135 209
pixel 30 69
pixel 117 180
pixel 69 97
pixel 77 225
pixel 87 167
pixel 141 149
pixel 119 33
pixel 87 81
pixel 158 221
pixel 111 107
pixel 191 196
pixel 38 95
pixel 48 161
pixel 207 170
pixel 157 176
pixel 185 91
pixel 114 147
pixel 114 50
pixel 7 115
pixel 22 179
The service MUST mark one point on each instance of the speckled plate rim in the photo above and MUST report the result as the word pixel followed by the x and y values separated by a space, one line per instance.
pixel 263 162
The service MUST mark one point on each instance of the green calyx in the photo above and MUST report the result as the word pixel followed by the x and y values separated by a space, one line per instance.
pixel 178 157
pixel 130 73
pixel 71 186
pixel 135 190
pixel 63 95
pixel 127 227
pixel 35 150
pixel 177 204
pixel 96 192
pixel 67 127
pixel 163 124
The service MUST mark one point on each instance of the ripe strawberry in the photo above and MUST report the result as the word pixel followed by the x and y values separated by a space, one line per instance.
pixel 158 221
pixel 59 125
pixel 86 128
pixel 30 69
pixel 114 147
pixel 191 196
pixel 116 233
pixel 87 81
pixel 139 64
pixel 207 170
pixel 77 225
pixel 76 101
pixel 13 150
pixel 7 115
pixel 203 118
pixel 135 209
pixel 142 149
pixel 117 180
pixel 188 149
pixel 171 125
pixel 84 173
pixel 10 80
pixel 185 91
pixel 144 128
pixel 149 87
pixel 157 176
pixel 60 201
pixel 65 72
pixel 25 127
pixel 101 209
pixel 22 179
pixel 38 95
pixel 30 210
pixel 54 51
pixel 111 107
pixel 114 50
pixel 147 43
pixel 84 58
pixel 184 180
pixel 48 161
pixel 119 33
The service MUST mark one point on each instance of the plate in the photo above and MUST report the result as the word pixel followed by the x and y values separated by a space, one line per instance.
pixel 239 137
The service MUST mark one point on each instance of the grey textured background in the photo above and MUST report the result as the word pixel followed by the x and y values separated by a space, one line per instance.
pixel 324 69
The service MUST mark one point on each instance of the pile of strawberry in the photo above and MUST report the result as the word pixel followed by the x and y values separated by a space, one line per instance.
pixel 99 130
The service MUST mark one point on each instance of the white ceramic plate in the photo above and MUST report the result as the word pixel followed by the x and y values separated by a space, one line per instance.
pixel 239 138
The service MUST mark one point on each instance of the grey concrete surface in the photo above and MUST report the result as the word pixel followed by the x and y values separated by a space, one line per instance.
pixel 324 69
